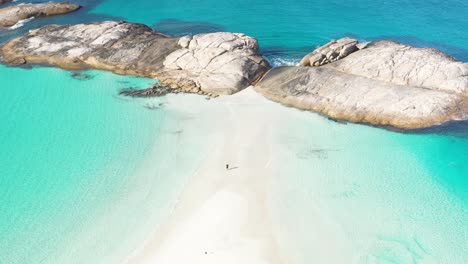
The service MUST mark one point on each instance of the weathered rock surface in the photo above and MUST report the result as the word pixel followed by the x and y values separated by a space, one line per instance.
pixel 386 84
pixel 220 63
pixel 405 65
pixel 330 52
pixel 122 47
pixel 9 16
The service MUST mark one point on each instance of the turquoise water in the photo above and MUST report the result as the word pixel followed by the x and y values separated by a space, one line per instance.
pixel 372 195
pixel 291 28
pixel 84 172
pixel 67 147
pixel 73 151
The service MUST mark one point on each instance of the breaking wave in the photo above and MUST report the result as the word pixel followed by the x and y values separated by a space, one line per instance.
pixel 276 61
pixel 21 23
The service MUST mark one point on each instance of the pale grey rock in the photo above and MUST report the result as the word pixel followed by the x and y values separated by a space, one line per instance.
pixel 362 45
pixel 387 84
pixel 332 51
pixel 220 63
pixel 409 66
pixel 118 46
pixel 317 58
pixel 11 15
pixel 223 62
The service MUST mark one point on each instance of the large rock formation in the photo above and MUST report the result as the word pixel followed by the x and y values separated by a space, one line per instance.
pixel 386 84
pixel 220 63
pixel 9 16
pixel 409 66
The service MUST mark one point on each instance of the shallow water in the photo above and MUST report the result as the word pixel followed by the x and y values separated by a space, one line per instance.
pixel 73 158
pixel 67 145
pixel 358 194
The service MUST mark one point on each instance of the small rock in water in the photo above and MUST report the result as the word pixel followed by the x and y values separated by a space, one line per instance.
pixel 332 51
pixel 11 15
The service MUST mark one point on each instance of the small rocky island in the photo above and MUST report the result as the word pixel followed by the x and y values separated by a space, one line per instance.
pixel 218 63
pixel 381 83
pixel 11 15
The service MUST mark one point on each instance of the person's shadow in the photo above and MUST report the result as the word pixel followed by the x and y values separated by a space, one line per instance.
pixel 230 168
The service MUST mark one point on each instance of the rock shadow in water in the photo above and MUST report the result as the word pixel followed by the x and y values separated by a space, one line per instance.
pixel 455 128
pixel 177 27
pixel 314 152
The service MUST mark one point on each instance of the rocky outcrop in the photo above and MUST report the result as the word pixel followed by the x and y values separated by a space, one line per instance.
pixel 387 84
pixel 220 63
pixel 330 52
pixel 11 15
pixel 408 66
pixel 382 83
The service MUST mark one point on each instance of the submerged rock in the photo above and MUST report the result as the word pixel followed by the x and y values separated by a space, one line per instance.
pixel 11 15
pixel 220 63
pixel 154 91
pixel 81 76
pixel 332 51
pixel 387 84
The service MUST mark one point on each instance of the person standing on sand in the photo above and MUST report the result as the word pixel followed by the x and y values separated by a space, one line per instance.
pixel 227 166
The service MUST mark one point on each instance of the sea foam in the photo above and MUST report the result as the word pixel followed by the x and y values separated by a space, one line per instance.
pixel 21 23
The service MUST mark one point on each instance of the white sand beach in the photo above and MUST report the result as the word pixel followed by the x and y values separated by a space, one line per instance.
pixel 297 189
pixel 223 215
